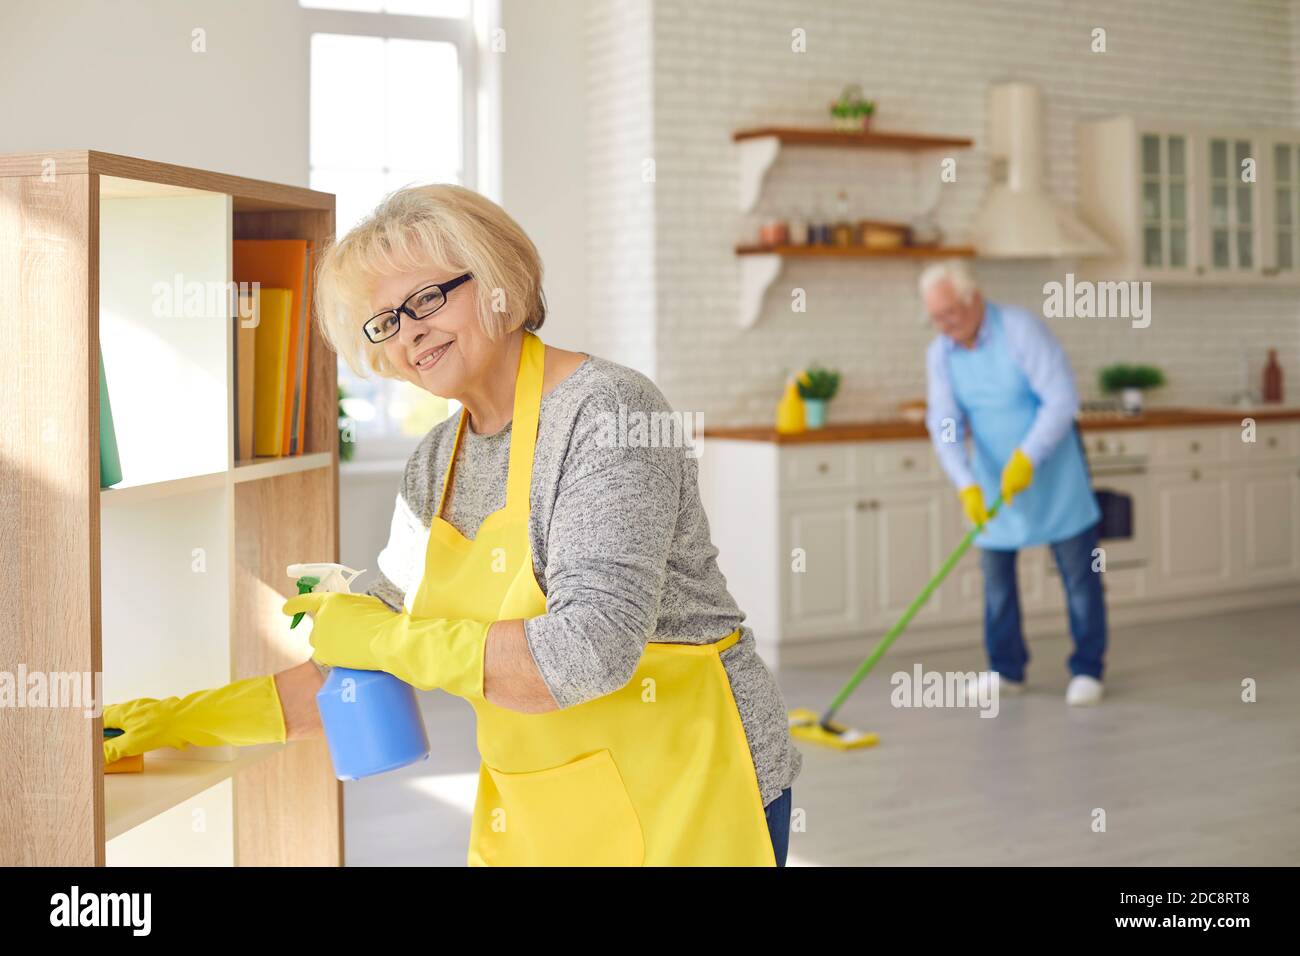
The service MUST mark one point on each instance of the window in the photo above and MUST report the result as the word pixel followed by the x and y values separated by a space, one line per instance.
pixel 393 102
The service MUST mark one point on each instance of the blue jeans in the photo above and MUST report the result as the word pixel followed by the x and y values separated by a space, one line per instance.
pixel 1003 636
pixel 778 825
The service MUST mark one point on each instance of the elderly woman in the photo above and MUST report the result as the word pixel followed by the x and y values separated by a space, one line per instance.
pixel 558 576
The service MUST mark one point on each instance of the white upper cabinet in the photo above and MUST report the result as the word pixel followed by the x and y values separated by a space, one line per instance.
pixel 1187 204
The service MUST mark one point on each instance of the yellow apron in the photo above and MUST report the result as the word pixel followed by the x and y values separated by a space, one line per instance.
pixel 657 773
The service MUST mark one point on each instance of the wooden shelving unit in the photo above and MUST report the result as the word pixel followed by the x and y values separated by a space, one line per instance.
pixel 172 580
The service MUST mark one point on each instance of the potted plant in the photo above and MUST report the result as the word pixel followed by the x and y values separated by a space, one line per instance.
pixel 817 386
pixel 852 113
pixel 1130 381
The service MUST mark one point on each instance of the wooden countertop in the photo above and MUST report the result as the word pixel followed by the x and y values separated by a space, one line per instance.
pixel 897 429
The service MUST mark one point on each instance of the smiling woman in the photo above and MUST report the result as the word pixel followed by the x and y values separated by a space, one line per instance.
pixel 558 580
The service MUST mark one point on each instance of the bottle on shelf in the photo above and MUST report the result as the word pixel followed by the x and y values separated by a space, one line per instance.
pixel 1272 378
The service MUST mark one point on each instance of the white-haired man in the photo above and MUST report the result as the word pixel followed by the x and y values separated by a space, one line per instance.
pixel 997 374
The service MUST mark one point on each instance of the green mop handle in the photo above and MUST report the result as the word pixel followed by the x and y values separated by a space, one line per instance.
pixel 906 619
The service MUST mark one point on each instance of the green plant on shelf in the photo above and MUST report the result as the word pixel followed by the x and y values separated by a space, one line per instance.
pixel 818 383
pixel 852 109
pixel 1116 378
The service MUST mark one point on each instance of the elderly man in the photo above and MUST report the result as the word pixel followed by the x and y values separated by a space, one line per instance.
pixel 997 374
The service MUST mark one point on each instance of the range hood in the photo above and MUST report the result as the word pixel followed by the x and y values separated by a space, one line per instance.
pixel 1019 220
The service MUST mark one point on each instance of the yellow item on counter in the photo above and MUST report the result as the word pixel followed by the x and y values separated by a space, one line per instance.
pixel 1017 475
pixel 789 412
pixel 657 773
pixel 972 503
pixel 243 713
pixel 362 632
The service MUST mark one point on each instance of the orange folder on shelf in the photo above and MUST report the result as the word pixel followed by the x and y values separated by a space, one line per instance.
pixel 284 264
pixel 133 764
pixel 271 359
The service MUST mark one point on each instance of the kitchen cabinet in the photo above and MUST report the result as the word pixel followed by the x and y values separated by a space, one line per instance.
pixel 874 519
pixel 824 578
pixel 1188 204
pixel 1267 503
pixel 903 548
pixel 1193 522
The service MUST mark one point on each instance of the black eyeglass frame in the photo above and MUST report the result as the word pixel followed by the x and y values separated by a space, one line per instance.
pixel 444 288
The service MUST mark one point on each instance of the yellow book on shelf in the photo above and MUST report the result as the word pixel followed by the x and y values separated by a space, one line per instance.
pixel 271 362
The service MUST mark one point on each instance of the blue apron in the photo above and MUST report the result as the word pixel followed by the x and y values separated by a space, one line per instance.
pixel 999 405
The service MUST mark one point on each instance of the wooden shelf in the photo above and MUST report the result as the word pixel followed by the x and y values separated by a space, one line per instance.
pixel 758 149
pixel 122 494
pixel 286 465
pixel 858 252
pixel 760 265
pixel 131 799
pixel 870 139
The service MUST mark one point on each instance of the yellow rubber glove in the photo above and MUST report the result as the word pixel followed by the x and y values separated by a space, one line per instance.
pixel 1017 475
pixel 243 713
pixel 362 632
pixel 972 502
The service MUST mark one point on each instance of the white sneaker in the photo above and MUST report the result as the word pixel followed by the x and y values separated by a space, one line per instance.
pixel 987 683
pixel 1084 691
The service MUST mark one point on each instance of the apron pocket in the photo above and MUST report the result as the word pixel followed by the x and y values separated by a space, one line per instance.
pixel 576 814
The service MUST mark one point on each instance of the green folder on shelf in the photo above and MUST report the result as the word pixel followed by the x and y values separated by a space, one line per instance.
pixel 110 466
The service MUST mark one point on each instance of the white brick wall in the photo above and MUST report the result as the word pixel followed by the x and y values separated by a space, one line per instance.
pixel 670 278
pixel 620 205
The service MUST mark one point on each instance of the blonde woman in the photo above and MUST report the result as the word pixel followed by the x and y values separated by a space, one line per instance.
pixel 560 578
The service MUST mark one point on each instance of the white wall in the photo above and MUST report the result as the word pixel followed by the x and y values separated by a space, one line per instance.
pixel 121 77
pixel 720 66
pixel 543 148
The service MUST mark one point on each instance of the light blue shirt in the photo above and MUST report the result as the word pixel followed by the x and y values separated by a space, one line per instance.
pixel 1037 354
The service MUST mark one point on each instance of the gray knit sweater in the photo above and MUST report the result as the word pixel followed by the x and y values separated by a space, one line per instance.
pixel 620 545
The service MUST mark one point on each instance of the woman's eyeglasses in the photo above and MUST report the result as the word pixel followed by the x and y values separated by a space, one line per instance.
pixel 418 305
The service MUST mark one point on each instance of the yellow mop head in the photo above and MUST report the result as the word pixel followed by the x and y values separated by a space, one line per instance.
pixel 807 725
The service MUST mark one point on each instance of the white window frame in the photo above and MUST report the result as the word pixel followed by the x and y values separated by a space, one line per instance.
pixel 478 101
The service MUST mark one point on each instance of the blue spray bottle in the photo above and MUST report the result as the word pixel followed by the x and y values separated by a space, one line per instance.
pixel 372 720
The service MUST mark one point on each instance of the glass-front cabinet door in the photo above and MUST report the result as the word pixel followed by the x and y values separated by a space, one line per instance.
pixel 1283 210
pixel 1231 185
pixel 1165 220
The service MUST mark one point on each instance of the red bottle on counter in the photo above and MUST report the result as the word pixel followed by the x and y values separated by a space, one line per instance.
pixel 1272 378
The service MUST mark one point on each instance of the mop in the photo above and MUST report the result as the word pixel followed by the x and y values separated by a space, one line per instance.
pixel 825 730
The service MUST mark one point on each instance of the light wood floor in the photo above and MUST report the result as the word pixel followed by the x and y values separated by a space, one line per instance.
pixel 1186 772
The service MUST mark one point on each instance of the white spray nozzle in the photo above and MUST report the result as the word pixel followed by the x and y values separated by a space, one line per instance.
pixel 333 577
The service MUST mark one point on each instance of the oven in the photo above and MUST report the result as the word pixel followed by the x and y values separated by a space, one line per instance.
pixel 1117 462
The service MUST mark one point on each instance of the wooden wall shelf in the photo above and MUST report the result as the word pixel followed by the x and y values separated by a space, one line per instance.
pixel 758 149
pixel 870 139
pixel 172 581
pixel 760 265
pixel 858 252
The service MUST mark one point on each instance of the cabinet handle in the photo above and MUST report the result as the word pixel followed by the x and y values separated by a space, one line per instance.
pixel 1196 475
pixel 1101 444
pixel 860 506
pixel 870 505
pixel 1272 443
pixel 908 463
pixel 823 467
pixel 1196 446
